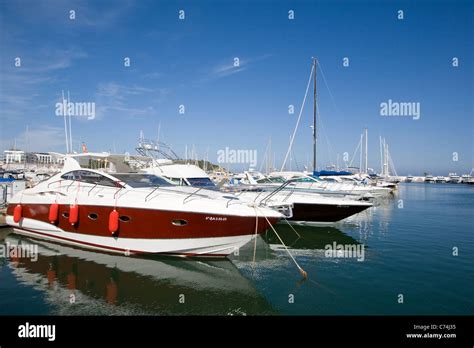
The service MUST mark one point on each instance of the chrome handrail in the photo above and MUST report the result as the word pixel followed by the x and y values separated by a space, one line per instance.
pixel 266 198
pixel 148 195
pixel 192 194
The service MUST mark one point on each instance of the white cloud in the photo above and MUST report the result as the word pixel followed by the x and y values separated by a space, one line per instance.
pixel 21 88
pixel 87 13
pixel 228 68
pixel 114 99
pixel 57 59
pixel 45 138
pixel 152 75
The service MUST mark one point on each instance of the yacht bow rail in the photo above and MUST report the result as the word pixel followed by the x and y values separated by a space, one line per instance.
pixel 277 190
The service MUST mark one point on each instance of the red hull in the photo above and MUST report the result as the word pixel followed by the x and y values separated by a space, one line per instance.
pixel 147 223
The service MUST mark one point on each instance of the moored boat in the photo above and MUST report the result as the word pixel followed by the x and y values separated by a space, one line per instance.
pixel 429 179
pixel 441 179
pixel 135 213
pixel 454 178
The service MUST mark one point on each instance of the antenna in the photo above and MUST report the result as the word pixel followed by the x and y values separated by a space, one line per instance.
pixel 65 123
pixel 70 119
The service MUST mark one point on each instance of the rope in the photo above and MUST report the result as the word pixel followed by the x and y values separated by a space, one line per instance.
pixel 330 149
pixel 324 132
pixel 302 271
pixel 255 237
pixel 292 227
pixel 299 118
pixel 327 86
pixel 355 151
pixel 391 164
pixel 264 158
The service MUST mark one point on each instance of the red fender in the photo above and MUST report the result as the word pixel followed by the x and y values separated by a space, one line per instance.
pixel 73 214
pixel 17 213
pixel 113 221
pixel 53 213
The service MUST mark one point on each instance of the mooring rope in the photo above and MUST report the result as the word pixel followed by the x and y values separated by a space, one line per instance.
pixel 292 227
pixel 302 271
pixel 255 237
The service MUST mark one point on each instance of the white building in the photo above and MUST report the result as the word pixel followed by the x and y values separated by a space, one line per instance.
pixel 13 156
pixel 18 159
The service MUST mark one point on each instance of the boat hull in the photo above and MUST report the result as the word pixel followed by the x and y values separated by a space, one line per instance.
pixel 326 213
pixel 146 231
pixel 203 247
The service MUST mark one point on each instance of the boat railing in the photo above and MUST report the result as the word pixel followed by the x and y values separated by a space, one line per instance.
pixel 116 192
pixel 60 186
pixel 277 190
pixel 3 196
pixel 152 191
pixel 93 187
pixel 259 194
pixel 290 192
pixel 192 194
pixel 55 181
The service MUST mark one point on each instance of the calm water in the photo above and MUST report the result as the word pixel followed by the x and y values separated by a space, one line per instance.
pixel 408 249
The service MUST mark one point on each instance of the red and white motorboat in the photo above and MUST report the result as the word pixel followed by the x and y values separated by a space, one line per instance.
pixel 135 213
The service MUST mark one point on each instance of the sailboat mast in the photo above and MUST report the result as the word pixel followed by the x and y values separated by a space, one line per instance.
pixel 314 113
pixel 366 160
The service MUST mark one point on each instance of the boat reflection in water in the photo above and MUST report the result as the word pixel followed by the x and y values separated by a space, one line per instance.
pixel 305 239
pixel 77 281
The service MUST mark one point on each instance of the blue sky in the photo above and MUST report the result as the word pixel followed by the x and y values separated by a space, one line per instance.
pixel 190 62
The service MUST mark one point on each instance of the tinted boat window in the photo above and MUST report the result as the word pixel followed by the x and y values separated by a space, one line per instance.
pixel 201 182
pixel 264 181
pixel 142 180
pixel 303 180
pixel 277 179
pixel 89 177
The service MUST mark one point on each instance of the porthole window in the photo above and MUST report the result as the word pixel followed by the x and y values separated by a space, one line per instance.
pixel 179 222
pixel 93 216
pixel 124 218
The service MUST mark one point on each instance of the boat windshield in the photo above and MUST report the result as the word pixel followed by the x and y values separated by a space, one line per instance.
pixel 272 180
pixel 277 179
pixel 142 180
pixel 264 181
pixel 89 177
pixel 201 182
pixel 305 179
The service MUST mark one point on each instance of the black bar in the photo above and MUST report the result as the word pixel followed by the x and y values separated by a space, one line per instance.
pixel 88 330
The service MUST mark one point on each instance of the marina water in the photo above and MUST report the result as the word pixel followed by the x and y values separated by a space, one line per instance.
pixel 418 253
